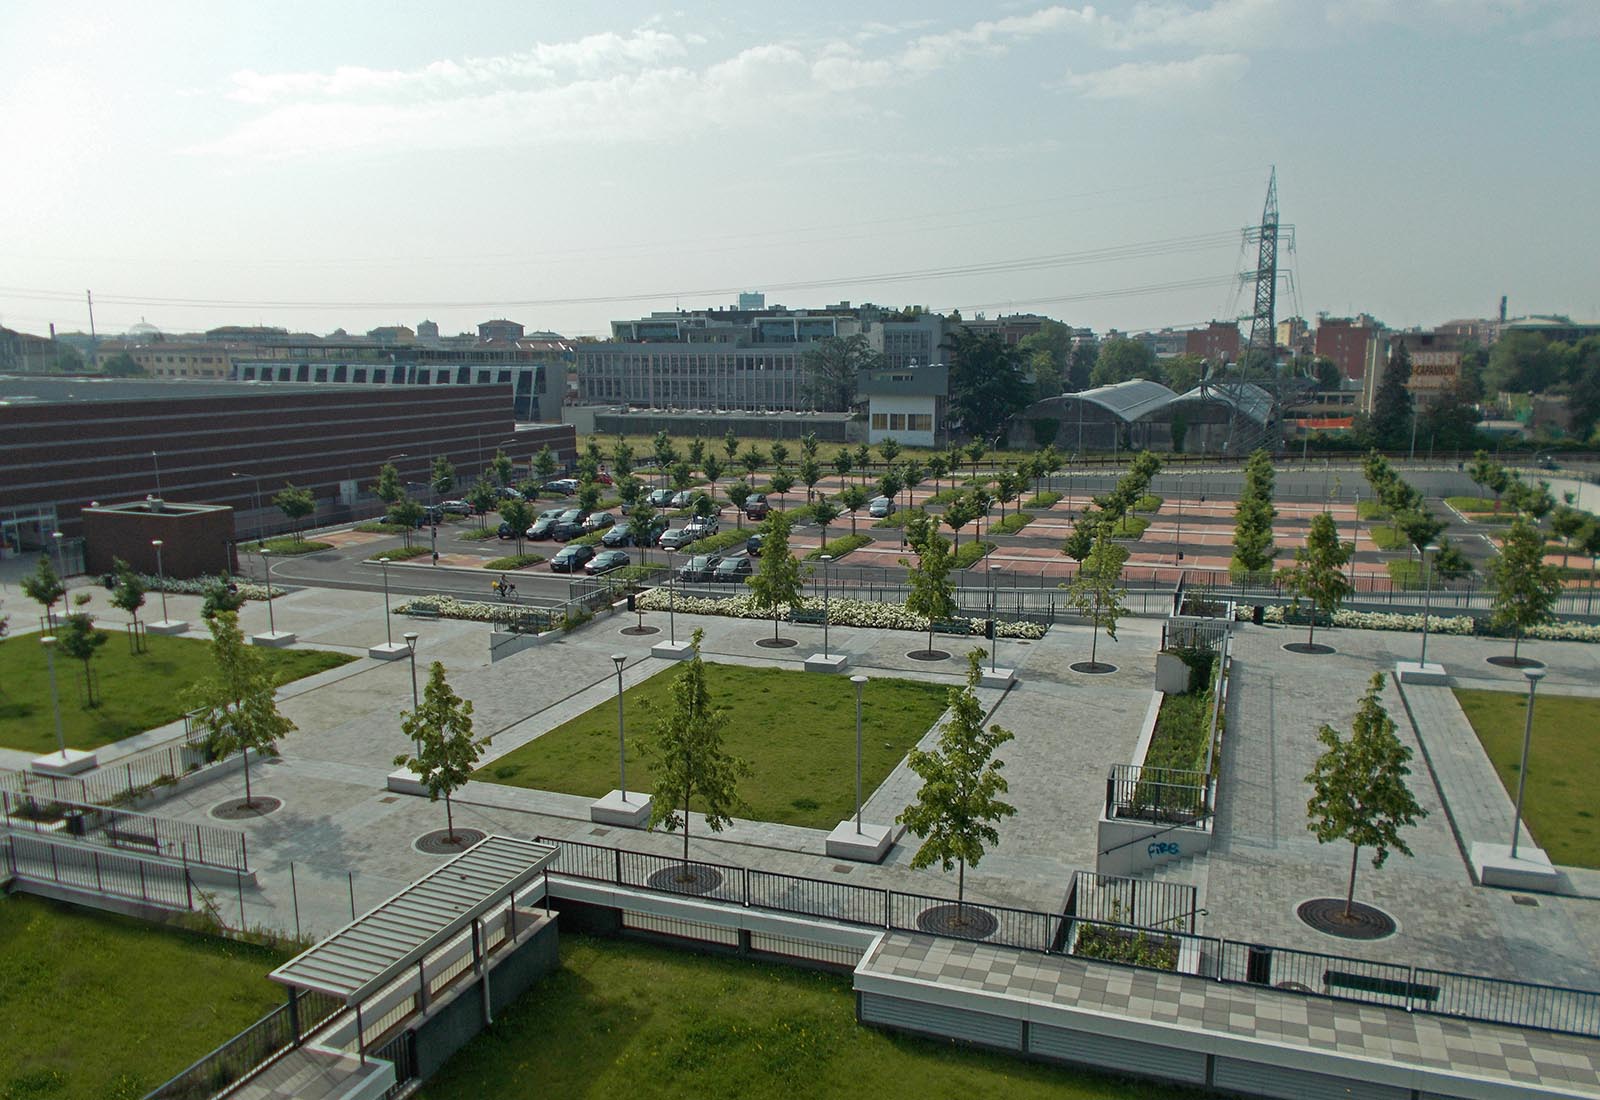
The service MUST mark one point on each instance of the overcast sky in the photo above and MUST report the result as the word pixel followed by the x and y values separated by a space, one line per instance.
pixel 318 165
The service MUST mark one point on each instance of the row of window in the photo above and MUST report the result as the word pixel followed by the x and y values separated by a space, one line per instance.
pixel 902 422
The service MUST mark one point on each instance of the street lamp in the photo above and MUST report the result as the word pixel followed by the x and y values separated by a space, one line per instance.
pixel 1533 676
pixel 411 644
pixel 1427 592
pixel 388 637
pixel 266 567
pixel 826 558
pixel 994 626
pixel 618 659
pixel 162 574
pixel 860 682
pixel 672 601
pixel 61 557
pixel 49 641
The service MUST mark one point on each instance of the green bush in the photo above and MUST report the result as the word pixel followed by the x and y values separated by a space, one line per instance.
pixel 1042 500
pixel 1180 738
pixel 478 534
pixel 287 546
pixel 1471 504
pixel 402 553
pixel 712 543
pixel 1385 537
pixel 1137 948
pixel 972 553
pixel 1013 523
pixel 1129 527
pixel 838 548
pixel 380 527
pixel 1371 509
pixel 1148 503
pixel 513 561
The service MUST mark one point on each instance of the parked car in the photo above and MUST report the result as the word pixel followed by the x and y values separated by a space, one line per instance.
pixel 432 515
pixel 701 567
pixel 544 526
pixel 565 486
pixel 700 526
pixel 880 507
pixel 456 508
pixel 682 498
pixel 733 570
pixel 752 545
pixel 605 561
pixel 756 507
pixel 677 538
pixel 506 492
pixel 660 498
pixel 622 533
pixel 506 531
pixel 599 521
pixel 570 559
pixel 570 525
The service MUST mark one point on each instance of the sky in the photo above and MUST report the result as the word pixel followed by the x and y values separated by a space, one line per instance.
pixel 317 166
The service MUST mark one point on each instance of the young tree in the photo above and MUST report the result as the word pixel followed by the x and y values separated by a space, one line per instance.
pixel 501 468
pixel 739 493
pixel 1253 547
pixel 959 802
pixel 843 463
pixel 890 484
pixel 1318 571
pixel 79 640
pixel 1084 532
pixel 128 595
pixel 863 460
pixel 932 593
pixel 235 704
pixel 545 464
pixel 682 476
pixel 442 728
pixel 687 760
pixel 641 527
pixel 889 449
pixel 1008 487
pixel 776 583
pixel 912 474
pixel 388 487
pixel 482 496
pixel 810 474
pixel 1359 790
pixel 517 515
pixel 938 466
pixel 1097 589
pixel 781 484
pixel 958 513
pixel 853 497
pixel 589 496
pixel 1565 522
pixel 780 453
pixel 753 459
pixel 809 444
pixel 697 451
pixel 405 513
pixel 443 476
pixel 712 468
pixel 666 453
pixel 44 587
pixel 730 444
pixel 1525 588
pixel 975 452
pixel 824 511
pixel 621 458
pixel 296 505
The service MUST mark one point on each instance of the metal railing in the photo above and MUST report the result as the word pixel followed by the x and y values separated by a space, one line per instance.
pixel 260 1044
pixel 113 784
pixel 127 830
pixel 1158 795
pixel 1415 989
pixel 109 874
pixel 1140 902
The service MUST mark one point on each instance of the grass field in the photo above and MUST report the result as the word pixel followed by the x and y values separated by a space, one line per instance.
pixel 621 1018
pixel 101 1007
pixel 136 693
pixel 796 730
pixel 1563 766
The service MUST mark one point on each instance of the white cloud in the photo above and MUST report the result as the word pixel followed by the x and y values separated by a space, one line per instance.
pixel 1224 24
pixel 1160 80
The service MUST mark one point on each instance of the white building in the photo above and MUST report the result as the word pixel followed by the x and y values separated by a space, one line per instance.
pixel 906 404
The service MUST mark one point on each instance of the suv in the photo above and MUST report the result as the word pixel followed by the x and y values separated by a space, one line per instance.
pixel 456 508
pixel 701 567
pixel 544 526
pixel 756 507
pixel 566 486
pixel 752 545
pixel 880 508
pixel 701 526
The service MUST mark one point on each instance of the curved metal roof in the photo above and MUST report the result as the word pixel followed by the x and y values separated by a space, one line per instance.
pixel 1127 401
pixel 1249 398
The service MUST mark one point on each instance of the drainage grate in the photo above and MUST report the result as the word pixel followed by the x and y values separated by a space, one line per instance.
pixel 843 868
pixel 1524 899
pixel 600 832
pixel 390 798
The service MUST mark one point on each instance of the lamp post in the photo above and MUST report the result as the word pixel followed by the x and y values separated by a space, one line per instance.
pixel 156 459
pixel 1427 592
pixel 826 592
pixel 49 641
pixel 672 601
pixel 411 644
pixel 162 574
pixel 994 626
pixel 61 557
pixel 1533 676
pixel 266 567
pixel 860 682
pixel 619 659
pixel 388 637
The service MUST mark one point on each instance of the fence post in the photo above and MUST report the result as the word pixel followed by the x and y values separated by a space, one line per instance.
pixel 746 887
pixel 143 896
pixel 99 884
pixel 617 854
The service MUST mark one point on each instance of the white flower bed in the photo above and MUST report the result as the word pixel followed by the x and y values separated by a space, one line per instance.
pixel 199 586
pixel 841 612
pixel 1462 625
pixel 448 607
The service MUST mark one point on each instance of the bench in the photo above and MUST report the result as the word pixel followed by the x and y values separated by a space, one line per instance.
pixel 124 837
pixel 1386 987
pixel 422 613
pixel 812 615
pixel 952 626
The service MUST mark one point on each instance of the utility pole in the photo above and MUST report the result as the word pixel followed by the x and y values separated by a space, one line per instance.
pixel 89 297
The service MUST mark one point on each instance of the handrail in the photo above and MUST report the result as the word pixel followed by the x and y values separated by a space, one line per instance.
pixel 1151 836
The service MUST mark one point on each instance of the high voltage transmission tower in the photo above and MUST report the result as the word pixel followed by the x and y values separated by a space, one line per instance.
pixel 1257 370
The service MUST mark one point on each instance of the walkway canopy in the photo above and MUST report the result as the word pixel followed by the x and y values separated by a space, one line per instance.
pixel 1106 418
pixel 370 952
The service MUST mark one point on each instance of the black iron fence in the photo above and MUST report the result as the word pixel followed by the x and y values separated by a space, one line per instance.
pixel 114 784
pixel 1166 796
pixel 258 1045
pixel 110 874
pixel 1140 902
pixel 1154 947
pixel 125 830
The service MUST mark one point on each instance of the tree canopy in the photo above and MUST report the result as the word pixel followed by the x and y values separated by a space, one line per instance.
pixel 236 705
pixel 830 367
pixel 441 727
pixel 987 385
pixel 1317 574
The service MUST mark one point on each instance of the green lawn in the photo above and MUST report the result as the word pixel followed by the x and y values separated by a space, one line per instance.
pixel 290 545
pixel 102 1007
pixel 136 693
pixel 1472 504
pixel 795 729
pixel 1563 769
pixel 622 1018
pixel 1387 537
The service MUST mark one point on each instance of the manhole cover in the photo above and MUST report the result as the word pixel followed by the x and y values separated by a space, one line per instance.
pixel 390 798
pixel 928 655
pixel 1364 922
pixel 601 831
pixel 969 922
pixel 441 843
pixel 776 643
pixel 236 809
pixel 1504 661
pixel 1093 668
pixel 639 631
pixel 1315 649
pixel 686 879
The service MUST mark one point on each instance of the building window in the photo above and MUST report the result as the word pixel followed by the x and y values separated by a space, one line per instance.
pixel 919 422
pixel 880 422
pixel 897 422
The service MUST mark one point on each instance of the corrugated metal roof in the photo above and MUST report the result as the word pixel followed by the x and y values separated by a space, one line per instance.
pixel 1249 398
pixel 1127 401
pixel 369 952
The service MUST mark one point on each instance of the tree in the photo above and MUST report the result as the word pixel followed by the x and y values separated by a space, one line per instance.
pixel 1525 587
pixel 958 513
pixel 781 483
pixel 932 594
pixel 122 365
pixel 1182 373
pixel 1419 526
pixel 442 729
pixel 517 515
pixel 938 467
pixel 388 486
pixel 1481 470
pixel 682 476
pixel 739 493
pixel 1359 790
pixel 235 705
pixel 666 454
pixel 442 478
pixel 697 451
pixel 753 459
pixel 712 468
pixel 128 595
pixel 1047 355
pixel 79 640
pixel 853 497
pixel 824 512
pixel 780 453
pixel 890 484
pixel 810 474
pixel 863 459
pixel 482 496
pixel 501 468
pixel 589 496
pixel 959 802
pixel 405 513
pixel 776 583
pixel 1008 487
pixel 641 527
pixel 889 448
pixel 44 587
pixel 1097 590
pixel 1318 571
pixel 842 463
pixel 622 458
pixel 1084 531
pixel 296 505
pixel 987 385
pixel 545 464
pixel 809 444
pixel 687 760
pixel 830 367
pixel 1121 360
pixel 1389 427
pixel 730 444
pixel 975 452
pixel 1253 546
pixel 1565 522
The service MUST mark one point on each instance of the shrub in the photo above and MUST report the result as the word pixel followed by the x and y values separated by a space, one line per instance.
pixel 401 553
pixel 971 553
pixel 513 561
pixel 1013 523
pixel 838 548
pixel 1042 500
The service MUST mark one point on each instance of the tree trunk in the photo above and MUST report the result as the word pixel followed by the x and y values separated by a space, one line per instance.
pixel 930 633
pixel 961 891
pixel 248 799
pixel 1516 645
pixel 688 789
pixel 774 622
pixel 449 820
pixel 1311 635
pixel 1350 892
pixel 88 684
